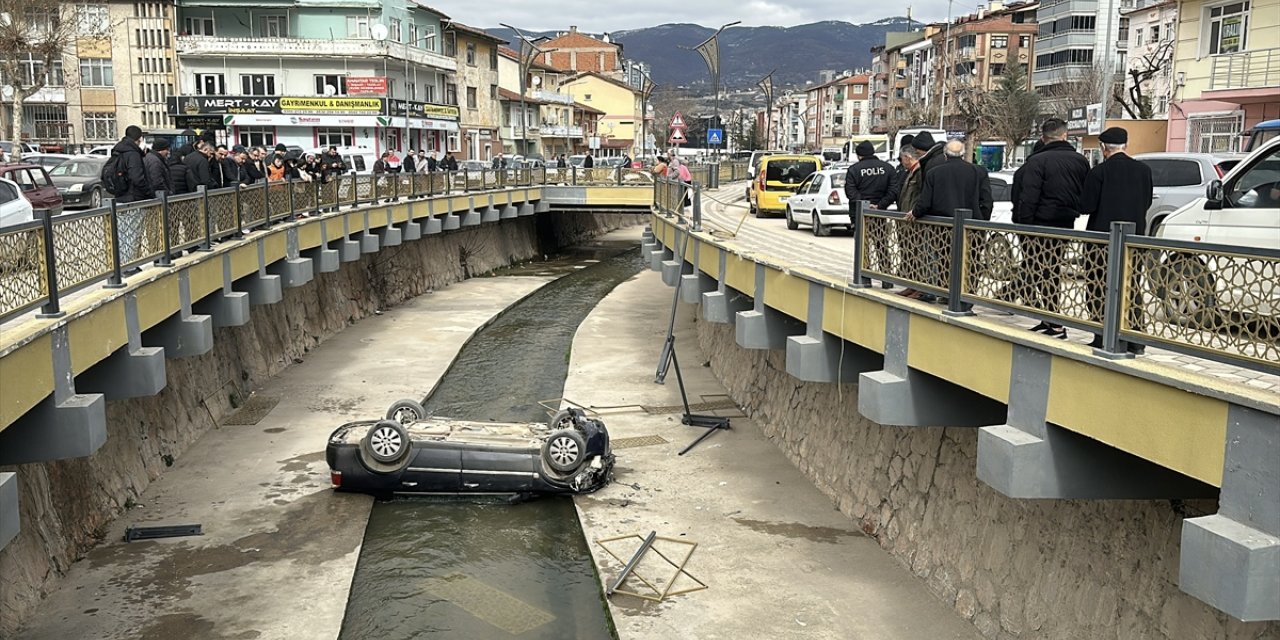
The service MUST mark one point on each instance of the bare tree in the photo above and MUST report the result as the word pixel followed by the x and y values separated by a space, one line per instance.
pixel 1135 98
pixel 34 34
pixel 1076 89
pixel 915 114
pixel 967 109
pixel 1013 109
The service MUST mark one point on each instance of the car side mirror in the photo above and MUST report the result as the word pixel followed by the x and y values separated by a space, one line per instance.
pixel 1214 194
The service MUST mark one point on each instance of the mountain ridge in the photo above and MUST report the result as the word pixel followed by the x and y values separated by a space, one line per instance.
pixel 798 53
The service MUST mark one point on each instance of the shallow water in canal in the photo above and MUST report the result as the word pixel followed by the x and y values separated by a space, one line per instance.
pixel 482 568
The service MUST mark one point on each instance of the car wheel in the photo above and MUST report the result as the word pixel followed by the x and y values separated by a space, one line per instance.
pixel 791 221
pixel 818 229
pixel 563 419
pixel 95 198
pixel 759 213
pixel 406 411
pixel 999 258
pixel 387 442
pixel 1185 289
pixel 565 450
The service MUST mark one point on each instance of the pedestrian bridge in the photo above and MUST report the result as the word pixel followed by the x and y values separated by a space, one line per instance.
pixel 1055 420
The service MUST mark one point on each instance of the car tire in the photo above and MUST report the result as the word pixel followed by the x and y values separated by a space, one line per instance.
pixel 95 198
pixel 386 443
pixel 791 221
pixel 406 411
pixel 819 230
pixel 565 450
pixel 1186 292
pixel 759 213
pixel 563 419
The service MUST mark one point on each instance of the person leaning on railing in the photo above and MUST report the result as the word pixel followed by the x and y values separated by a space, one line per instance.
pixel 948 187
pixel 1048 196
pixel 1119 189
pixel 924 154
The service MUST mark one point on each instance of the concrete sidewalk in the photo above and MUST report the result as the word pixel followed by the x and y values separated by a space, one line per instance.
pixel 780 560
pixel 280 547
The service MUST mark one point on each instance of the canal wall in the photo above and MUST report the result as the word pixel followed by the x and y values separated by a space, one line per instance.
pixel 66 506
pixel 1014 568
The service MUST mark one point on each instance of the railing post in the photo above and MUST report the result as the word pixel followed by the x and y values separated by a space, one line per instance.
pixel 165 260
pixel 466 180
pixel 239 213
pixel 395 187
pixel 1114 303
pixel 288 184
pixel 697 207
pixel 859 245
pixel 50 309
pixel 955 280
pixel 207 244
pixel 618 174
pixel 117 270
pixel 573 175
pixel 318 189
pixel 266 205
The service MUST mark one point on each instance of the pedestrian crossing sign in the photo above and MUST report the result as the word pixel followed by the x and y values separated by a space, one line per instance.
pixel 715 136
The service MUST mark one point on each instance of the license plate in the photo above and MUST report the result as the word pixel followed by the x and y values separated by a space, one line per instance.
pixel 784 198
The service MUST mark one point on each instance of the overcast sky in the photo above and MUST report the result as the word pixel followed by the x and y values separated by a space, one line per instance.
pixel 610 15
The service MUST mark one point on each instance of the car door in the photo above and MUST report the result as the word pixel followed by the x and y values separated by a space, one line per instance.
pixel 804 197
pixel 14 209
pixel 436 467
pixel 1250 213
pixel 39 189
pixel 1175 182
pixel 499 468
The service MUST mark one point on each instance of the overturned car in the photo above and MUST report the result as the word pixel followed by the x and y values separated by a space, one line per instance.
pixel 410 452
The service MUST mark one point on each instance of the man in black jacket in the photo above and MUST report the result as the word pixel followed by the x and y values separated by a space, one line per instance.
pixel 899 177
pixel 868 180
pixel 1117 190
pixel 179 173
pixel 157 166
pixel 198 163
pixel 129 162
pixel 954 184
pixel 1049 196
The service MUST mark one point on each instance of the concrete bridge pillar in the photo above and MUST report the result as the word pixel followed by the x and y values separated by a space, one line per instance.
pixel 763 327
pixel 472 217
pixel 722 305
pixel 661 255
pixel 508 211
pixel 694 283
pixel 1028 457
pixel 9 512
pixel 432 225
pixel 818 356
pixel 526 209
pixel 675 267
pixel 388 234
pixel 541 206
pixel 228 308
pixel 1231 559
pixel 66 424
pixel 184 334
pixel 899 395
pixel 132 371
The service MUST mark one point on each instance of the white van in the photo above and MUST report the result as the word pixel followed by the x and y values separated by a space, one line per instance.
pixel 896 151
pixel 359 159
pixel 1241 210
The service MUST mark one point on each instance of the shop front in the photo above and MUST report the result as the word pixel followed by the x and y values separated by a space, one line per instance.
pixel 372 123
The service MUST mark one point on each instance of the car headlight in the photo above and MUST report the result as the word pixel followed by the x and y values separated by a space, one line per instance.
pixel 76 188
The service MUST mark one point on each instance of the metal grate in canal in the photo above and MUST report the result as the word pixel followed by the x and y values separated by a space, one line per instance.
pixel 713 405
pixel 638 441
pixel 254 410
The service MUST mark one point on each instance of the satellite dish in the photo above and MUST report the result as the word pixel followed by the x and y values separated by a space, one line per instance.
pixel 536 80
pixel 330 91
pixel 378 32
pixel 7 92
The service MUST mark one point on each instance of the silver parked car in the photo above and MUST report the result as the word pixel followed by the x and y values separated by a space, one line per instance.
pixel 1180 178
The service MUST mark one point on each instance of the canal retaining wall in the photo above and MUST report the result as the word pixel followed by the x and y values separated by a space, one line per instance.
pixel 66 506
pixel 1014 568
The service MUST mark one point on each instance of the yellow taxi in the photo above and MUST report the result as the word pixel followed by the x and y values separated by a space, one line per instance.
pixel 776 180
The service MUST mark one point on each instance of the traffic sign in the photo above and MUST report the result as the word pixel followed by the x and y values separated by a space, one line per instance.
pixel 715 136
pixel 677 122
pixel 677 137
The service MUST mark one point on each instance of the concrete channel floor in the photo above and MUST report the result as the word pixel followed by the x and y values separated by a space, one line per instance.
pixel 779 559
pixel 279 547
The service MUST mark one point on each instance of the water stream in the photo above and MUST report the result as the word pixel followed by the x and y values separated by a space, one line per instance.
pixel 477 568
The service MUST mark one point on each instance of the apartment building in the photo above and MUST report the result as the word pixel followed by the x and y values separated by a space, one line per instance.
pixel 1226 72
pixel 479 105
pixel 973 53
pixel 1073 37
pixel 554 122
pixel 889 81
pixel 346 73
pixel 1149 27
pixel 618 129
pixel 118 70
pixel 837 110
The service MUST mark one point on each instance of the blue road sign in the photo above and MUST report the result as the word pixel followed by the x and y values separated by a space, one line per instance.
pixel 715 136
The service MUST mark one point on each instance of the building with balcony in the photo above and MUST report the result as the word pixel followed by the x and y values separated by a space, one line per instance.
pixel 1148 30
pixel 1226 73
pixel 973 53
pixel 1073 37
pixel 118 70
pixel 619 128
pixel 353 73
pixel 838 110
pixel 479 105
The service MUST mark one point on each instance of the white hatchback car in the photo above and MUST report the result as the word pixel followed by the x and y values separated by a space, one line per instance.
pixel 14 207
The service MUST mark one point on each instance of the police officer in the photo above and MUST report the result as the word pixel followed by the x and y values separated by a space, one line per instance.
pixel 1119 189
pixel 868 179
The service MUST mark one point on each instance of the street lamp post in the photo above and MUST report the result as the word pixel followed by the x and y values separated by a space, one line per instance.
pixel 528 51
pixel 429 36
pixel 710 52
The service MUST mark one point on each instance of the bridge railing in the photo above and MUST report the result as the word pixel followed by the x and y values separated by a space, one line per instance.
pixel 1212 301
pixel 46 259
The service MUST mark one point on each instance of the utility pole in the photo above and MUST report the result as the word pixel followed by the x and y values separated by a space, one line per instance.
pixel 528 51
pixel 710 52
pixel 946 62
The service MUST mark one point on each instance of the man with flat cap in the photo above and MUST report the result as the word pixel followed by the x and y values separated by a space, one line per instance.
pixel 924 155
pixel 1119 189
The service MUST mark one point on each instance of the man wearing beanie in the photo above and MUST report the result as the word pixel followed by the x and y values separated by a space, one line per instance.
pixel 868 179
pixel 1119 189
pixel 157 165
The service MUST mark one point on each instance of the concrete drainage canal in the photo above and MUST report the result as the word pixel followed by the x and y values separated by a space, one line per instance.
pixel 471 567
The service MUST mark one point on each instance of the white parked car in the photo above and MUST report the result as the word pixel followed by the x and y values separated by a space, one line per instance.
pixel 1178 178
pixel 819 203
pixel 14 208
